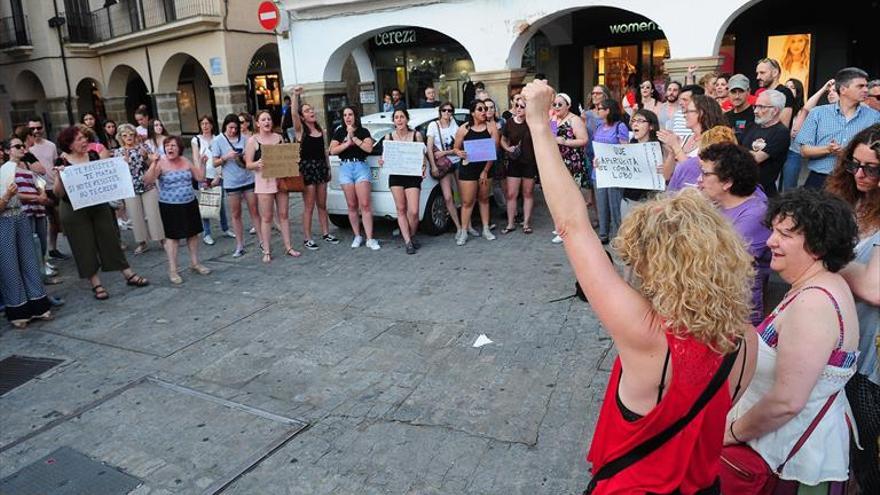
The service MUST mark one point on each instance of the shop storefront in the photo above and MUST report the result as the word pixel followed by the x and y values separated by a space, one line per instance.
pixel 264 84
pixel 412 59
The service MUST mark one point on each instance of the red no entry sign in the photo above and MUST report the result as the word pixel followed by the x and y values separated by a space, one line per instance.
pixel 268 15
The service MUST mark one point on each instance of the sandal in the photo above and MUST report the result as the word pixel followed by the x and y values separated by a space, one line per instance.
pixel 174 277
pixel 508 229
pixel 527 229
pixel 267 257
pixel 200 269
pixel 19 324
pixel 136 280
pixel 47 316
pixel 141 249
pixel 101 293
pixel 293 253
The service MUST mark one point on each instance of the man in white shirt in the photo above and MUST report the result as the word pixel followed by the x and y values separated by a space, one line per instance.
pixel 46 152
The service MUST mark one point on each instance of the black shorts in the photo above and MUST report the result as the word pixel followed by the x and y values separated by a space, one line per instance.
pixel 522 170
pixel 242 189
pixel 405 181
pixel 471 171
pixel 314 172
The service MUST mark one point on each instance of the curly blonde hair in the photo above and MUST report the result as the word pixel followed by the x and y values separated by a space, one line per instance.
pixel 715 135
pixel 693 267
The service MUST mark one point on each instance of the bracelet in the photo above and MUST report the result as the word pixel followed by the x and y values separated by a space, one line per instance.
pixel 732 434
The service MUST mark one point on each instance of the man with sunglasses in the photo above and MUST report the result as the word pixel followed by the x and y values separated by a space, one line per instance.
pixel 873 100
pixel 46 152
pixel 828 128
pixel 767 74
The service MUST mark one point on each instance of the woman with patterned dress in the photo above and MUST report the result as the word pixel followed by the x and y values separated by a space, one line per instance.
pixel 572 137
pixel 143 208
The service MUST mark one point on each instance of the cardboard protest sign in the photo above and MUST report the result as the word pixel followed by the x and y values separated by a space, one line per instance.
pixel 97 182
pixel 632 166
pixel 280 160
pixel 403 157
pixel 480 150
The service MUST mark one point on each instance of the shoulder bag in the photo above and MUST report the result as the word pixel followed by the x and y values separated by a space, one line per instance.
pixel 744 471
pixel 442 164
pixel 650 445
pixel 209 202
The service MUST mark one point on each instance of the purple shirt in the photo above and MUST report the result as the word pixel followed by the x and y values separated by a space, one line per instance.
pixel 611 135
pixel 748 221
pixel 686 174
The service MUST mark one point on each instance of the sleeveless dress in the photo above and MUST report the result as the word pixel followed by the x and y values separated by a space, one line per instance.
pixel 178 205
pixel 825 454
pixel 573 157
pixel 471 170
pixel 261 185
pixel 312 160
pixel 689 462
pixel 404 181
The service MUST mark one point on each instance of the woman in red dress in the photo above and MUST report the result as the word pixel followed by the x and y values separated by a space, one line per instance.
pixel 686 314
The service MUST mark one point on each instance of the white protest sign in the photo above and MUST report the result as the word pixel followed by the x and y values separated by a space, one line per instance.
pixel 403 157
pixel 632 166
pixel 97 182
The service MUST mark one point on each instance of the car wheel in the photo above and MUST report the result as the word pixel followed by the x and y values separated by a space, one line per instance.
pixel 436 219
pixel 340 221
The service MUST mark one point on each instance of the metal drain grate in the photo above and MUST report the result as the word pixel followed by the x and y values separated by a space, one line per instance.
pixel 18 370
pixel 68 472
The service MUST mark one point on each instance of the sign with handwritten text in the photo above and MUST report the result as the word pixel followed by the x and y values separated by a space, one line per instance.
pixel 633 166
pixel 100 181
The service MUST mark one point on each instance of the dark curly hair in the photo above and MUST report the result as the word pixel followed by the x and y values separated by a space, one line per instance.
pixel 735 164
pixel 842 183
pixel 66 138
pixel 826 222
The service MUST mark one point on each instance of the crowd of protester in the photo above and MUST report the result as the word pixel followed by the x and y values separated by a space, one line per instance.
pixel 758 181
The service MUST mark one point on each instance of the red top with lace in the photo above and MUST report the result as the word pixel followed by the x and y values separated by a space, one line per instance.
pixel 688 462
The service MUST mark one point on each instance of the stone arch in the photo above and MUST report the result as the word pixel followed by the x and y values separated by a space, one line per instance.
pixel 119 80
pixel 28 87
pixel 88 97
pixel 728 20
pixel 170 74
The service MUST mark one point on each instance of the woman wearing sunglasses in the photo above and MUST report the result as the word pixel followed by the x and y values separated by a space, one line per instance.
pixel 521 167
pixel 441 136
pixel 856 180
pixel 571 136
pixel 474 175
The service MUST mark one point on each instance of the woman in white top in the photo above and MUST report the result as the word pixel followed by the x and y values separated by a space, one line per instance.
pixel 441 136
pixel 808 345
pixel 156 135
pixel 201 155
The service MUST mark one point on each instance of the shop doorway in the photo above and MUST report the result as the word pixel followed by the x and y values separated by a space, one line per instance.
pixel 264 84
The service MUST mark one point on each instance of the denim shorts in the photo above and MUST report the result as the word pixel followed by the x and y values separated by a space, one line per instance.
pixel 352 172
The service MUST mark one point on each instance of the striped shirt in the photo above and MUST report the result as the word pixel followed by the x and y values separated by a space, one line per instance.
pixel 27 184
pixel 826 123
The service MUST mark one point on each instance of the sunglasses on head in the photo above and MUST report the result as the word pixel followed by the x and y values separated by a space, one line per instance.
pixel 852 166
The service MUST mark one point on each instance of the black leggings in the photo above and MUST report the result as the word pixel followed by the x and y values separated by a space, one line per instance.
pixel 864 398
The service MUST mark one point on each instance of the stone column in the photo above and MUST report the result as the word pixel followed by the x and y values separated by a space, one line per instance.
pixel 230 99
pixel 677 68
pixel 115 109
pixel 314 93
pixel 498 83
pixel 167 111
pixel 56 108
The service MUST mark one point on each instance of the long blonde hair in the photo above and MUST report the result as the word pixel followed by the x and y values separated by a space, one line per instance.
pixel 693 267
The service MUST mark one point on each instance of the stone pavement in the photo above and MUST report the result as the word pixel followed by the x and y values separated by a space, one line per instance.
pixel 198 388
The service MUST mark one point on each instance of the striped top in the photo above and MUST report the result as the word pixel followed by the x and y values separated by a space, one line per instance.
pixel 26 181
pixel 826 123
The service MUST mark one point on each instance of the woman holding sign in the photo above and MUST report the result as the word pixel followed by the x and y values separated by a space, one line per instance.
pixel 91 231
pixel 268 195
pixel 406 188
pixel 474 175
pixel 352 143
pixel 612 130
pixel 174 174
pixel 21 277
pixel 679 328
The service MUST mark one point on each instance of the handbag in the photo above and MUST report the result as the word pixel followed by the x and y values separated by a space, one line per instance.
pixel 442 164
pixel 744 471
pixel 650 445
pixel 290 184
pixel 209 202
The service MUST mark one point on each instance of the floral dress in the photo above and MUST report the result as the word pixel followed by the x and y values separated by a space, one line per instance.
pixel 137 165
pixel 573 157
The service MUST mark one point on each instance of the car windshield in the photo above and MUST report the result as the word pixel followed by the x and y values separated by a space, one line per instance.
pixel 378 130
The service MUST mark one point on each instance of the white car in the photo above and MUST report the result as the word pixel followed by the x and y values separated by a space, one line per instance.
pixel 432 209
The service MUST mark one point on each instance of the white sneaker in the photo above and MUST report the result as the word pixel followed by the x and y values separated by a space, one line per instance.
pixel 356 243
pixel 556 239
pixel 208 240
pixel 253 231
pixel 488 234
pixel 555 233
pixel 230 234
pixel 461 238
pixel 473 232
pixel 49 272
pixel 373 244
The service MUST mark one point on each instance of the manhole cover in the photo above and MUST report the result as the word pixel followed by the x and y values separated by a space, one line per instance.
pixel 18 370
pixel 68 472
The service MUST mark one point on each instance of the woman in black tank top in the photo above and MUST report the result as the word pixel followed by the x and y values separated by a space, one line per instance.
pixel 473 177
pixel 406 188
pixel 313 167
